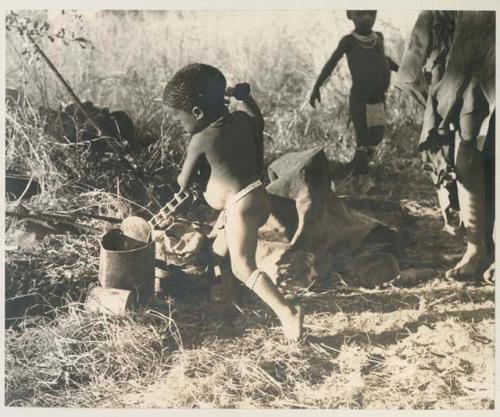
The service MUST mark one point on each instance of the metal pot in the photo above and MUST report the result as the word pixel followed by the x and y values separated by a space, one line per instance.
pixel 127 264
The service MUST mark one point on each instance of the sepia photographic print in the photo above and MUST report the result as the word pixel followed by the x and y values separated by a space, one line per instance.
pixel 249 208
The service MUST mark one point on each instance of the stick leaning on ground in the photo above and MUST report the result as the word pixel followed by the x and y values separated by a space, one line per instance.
pixel 115 149
pixel 64 220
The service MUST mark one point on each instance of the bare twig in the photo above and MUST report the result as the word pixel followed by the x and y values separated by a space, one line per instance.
pixel 67 221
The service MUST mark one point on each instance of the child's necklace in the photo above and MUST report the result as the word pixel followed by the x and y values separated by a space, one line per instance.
pixel 367 42
pixel 218 121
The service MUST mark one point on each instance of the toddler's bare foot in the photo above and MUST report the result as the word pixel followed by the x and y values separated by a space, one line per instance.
pixel 470 263
pixel 291 322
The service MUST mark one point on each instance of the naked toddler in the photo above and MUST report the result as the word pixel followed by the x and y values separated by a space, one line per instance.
pixel 223 145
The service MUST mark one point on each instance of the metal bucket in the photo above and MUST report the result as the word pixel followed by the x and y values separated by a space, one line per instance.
pixel 127 264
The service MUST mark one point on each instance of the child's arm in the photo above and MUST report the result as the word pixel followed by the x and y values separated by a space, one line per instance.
pixel 392 65
pixel 190 165
pixel 327 71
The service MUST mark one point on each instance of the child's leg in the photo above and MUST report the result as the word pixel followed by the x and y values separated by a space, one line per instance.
pixel 242 223
pixel 357 112
pixel 375 137
pixel 376 134
pixel 471 197
pixel 367 138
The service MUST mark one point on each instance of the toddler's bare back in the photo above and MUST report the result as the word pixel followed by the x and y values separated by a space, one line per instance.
pixel 230 152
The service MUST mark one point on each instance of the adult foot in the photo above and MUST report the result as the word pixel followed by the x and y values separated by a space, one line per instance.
pixel 291 322
pixel 470 264
pixel 489 274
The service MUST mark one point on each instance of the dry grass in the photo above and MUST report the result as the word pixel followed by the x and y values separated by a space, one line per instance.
pixel 279 53
pixel 372 350
pixel 84 359
pixel 429 346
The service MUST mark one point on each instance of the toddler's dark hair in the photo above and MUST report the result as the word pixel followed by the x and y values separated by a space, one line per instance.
pixel 195 85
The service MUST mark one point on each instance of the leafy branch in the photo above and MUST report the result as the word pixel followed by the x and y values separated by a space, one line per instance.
pixel 40 30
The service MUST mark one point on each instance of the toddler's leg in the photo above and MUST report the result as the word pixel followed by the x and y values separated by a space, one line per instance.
pixel 225 289
pixel 242 235
pixel 471 197
pixel 291 317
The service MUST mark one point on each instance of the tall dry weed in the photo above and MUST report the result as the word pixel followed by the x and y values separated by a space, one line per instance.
pixel 279 52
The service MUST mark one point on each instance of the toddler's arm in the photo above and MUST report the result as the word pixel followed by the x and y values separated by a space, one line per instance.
pixel 247 104
pixel 190 165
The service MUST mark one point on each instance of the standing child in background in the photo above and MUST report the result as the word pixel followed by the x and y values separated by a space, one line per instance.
pixel 370 71
pixel 223 145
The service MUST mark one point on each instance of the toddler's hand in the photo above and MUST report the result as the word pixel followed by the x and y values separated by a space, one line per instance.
pixel 165 222
pixel 240 91
pixel 219 224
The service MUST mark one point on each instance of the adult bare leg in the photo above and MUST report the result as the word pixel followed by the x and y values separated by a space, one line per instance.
pixel 489 274
pixel 471 197
pixel 489 174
